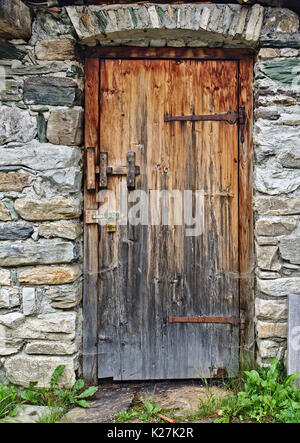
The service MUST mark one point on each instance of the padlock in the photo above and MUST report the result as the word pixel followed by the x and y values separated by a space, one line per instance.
pixel 111 227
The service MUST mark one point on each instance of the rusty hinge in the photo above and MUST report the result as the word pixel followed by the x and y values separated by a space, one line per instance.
pixel 230 117
pixel 235 321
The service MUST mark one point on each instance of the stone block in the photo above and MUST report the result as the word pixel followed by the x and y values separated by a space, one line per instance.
pixel 291 158
pixel 267 275
pixel 55 91
pixel 267 53
pixel 12 320
pixel 50 275
pixel 69 231
pixel 13 181
pixel 9 297
pixel 271 349
pixel 271 309
pixel 281 287
pixel 280 20
pixel 277 205
pixel 271 330
pixel 8 344
pixel 55 326
pixel 34 253
pixel 64 297
pixel 41 156
pixel 5 277
pixel 15 231
pixel 17 126
pixel 267 258
pixel 12 91
pixel 43 209
pixel 65 127
pixel 4 213
pixel 290 249
pixel 55 49
pixel 281 71
pixel 29 301
pixel 254 26
pixel 270 227
pixel 23 369
pixel 48 25
pixel 15 20
pixel 51 348
pixel 64 180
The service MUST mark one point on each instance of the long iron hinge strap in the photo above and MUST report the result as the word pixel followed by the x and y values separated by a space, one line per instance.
pixel 205 319
pixel 231 117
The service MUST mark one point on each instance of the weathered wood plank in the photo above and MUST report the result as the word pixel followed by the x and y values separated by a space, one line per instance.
pixel 91 168
pixel 15 20
pixel 90 295
pixel 293 363
pixel 246 243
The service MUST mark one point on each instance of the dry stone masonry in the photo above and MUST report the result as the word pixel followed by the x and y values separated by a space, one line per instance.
pixel 277 189
pixel 41 166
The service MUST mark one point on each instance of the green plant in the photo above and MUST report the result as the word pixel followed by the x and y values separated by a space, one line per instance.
pixel 72 397
pixel 9 399
pixel 267 396
pixel 288 416
pixel 57 398
pixel 150 410
pixel 142 410
pixel 208 406
pixel 52 416
pixel 126 416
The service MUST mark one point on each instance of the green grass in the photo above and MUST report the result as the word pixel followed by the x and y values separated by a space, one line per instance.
pixel 257 395
pixel 58 400
pixel 54 415
pixel 9 400
pixel 144 411
pixel 268 395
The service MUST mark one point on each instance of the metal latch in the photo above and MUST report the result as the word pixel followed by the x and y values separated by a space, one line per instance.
pixel 131 170
pixel 103 170
pixel 107 219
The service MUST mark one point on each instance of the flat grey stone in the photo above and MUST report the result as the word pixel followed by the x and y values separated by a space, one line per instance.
pixel 28 414
pixel 54 91
pixel 15 231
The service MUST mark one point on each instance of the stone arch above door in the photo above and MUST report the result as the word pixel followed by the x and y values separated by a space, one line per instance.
pixel 193 25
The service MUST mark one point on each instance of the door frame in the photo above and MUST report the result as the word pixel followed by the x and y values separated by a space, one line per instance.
pixel 244 57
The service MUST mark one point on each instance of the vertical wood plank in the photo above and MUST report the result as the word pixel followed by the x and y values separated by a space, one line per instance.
pixel 246 253
pixel 90 169
pixel 90 293
pixel 294 335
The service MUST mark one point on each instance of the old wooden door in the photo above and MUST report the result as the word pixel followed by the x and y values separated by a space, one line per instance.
pixel 168 297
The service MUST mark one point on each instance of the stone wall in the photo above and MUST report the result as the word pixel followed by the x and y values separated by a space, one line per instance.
pixel 277 189
pixel 41 116
pixel 41 130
